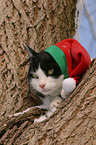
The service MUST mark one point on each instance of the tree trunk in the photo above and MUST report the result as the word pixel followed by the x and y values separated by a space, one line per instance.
pixel 41 24
pixel 74 122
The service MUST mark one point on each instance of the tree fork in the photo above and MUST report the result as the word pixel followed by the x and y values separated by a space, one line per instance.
pixel 41 24
pixel 73 123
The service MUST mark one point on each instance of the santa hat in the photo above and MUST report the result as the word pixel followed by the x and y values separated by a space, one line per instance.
pixel 71 56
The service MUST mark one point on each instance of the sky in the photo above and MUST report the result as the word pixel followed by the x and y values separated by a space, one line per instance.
pixel 85 31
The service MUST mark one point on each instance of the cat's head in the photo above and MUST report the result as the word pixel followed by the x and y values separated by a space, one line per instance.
pixel 44 73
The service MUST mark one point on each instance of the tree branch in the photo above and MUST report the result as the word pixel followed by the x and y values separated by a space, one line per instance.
pixel 68 125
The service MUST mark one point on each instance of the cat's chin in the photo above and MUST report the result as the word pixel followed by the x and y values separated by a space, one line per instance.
pixel 47 92
pixel 51 92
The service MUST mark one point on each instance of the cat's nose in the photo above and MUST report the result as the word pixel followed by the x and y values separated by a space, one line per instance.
pixel 42 86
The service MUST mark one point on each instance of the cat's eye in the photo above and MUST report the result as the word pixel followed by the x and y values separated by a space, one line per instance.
pixel 35 76
pixel 50 72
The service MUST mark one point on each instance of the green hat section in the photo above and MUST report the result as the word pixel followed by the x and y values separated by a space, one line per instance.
pixel 59 57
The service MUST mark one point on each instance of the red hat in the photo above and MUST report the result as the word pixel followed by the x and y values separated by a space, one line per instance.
pixel 76 55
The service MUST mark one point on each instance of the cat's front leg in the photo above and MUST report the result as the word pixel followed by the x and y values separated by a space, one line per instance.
pixel 55 103
pixel 68 86
pixel 40 119
pixel 52 108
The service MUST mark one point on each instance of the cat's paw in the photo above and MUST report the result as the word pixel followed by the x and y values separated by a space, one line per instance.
pixel 63 95
pixel 54 105
pixel 40 119
pixel 43 117
pixel 68 86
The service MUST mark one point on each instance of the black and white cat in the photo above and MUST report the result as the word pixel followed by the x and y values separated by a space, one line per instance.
pixel 55 72
pixel 45 76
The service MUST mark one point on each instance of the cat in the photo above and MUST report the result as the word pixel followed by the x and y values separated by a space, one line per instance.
pixel 55 73
pixel 45 76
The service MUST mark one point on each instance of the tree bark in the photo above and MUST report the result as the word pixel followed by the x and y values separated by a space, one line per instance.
pixel 74 122
pixel 41 24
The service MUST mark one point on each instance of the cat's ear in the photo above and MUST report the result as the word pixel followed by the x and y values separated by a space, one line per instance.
pixel 31 52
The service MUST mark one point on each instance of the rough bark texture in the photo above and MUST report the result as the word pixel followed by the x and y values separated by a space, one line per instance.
pixel 74 123
pixel 41 24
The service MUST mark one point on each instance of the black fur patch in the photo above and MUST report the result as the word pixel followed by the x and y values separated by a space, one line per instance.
pixel 46 62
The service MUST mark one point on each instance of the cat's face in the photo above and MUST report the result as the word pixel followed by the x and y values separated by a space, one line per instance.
pixel 44 73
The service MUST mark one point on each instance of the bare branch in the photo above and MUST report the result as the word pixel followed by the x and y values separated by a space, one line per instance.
pixel 90 19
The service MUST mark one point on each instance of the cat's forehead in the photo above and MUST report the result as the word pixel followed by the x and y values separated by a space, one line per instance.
pixel 40 59
pixel 44 57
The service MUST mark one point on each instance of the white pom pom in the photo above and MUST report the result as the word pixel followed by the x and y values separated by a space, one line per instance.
pixel 69 85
